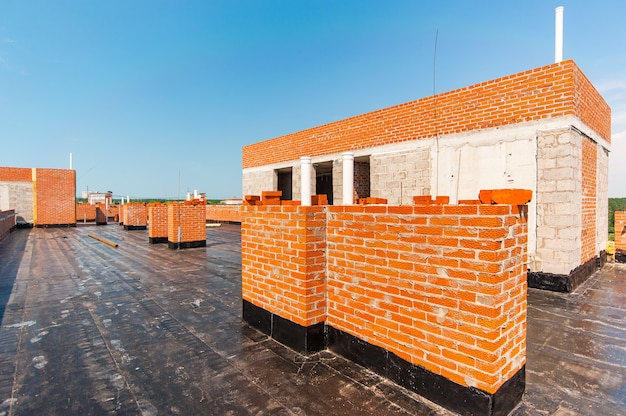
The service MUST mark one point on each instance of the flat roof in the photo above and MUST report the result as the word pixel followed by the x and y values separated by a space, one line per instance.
pixel 142 329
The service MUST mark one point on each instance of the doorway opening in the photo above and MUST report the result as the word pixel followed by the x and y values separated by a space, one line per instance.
pixel 324 180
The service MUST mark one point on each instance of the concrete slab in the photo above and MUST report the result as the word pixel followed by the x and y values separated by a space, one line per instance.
pixel 88 329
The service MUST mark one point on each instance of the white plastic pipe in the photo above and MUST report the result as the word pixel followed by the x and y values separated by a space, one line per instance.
pixel 558 34
pixel 305 174
pixel 348 178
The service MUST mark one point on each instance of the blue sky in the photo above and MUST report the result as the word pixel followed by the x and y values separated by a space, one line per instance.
pixel 156 98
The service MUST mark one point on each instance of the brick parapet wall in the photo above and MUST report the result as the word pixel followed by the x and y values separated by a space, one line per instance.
pixel 441 286
pixel 555 90
pixel 223 213
pixel 157 218
pixel 620 231
pixel 283 265
pixel 136 214
pixel 191 218
pixel 122 211
pixel 102 213
pixel 85 212
pixel 54 197
pixel 7 223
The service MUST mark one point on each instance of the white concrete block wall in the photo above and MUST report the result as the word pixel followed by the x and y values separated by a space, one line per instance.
pixel 255 181
pixel 18 196
pixel 399 176
pixel 559 173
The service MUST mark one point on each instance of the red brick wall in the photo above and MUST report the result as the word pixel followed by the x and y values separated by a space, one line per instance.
pixel 114 211
pixel 85 212
pixel 157 216
pixel 546 92
pixel 123 213
pixel 136 214
pixel 589 200
pixel 8 174
pixel 441 286
pixel 54 194
pixel 223 213
pixel 7 223
pixel 102 213
pixel 620 230
pixel 283 263
pixel 192 220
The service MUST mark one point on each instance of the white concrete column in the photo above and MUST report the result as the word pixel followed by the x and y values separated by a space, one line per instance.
pixel 348 178
pixel 305 180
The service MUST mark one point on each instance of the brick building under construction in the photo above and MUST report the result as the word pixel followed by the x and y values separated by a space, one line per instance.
pixel 427 285
pixel 546 129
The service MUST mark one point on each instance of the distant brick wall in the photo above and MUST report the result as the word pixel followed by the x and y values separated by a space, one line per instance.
pixel 157 228
pixel 186 224
pixel 136 216
pixel 620 231
pixel 85 212
pixel 441 287
pixel 102 213
pixel 54 197
pixel 223 213
pixel 114 211
pixel 7 223
pixel 550 91
pixel 123 214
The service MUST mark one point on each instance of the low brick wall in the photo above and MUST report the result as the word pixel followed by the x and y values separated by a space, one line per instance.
pixel 431 296
pixel 85 213
pixel 102 214
pixel 136 216
pixel 620 236
pixel 157 223
pixel 223 213
pixel 186 225
pixel 7 223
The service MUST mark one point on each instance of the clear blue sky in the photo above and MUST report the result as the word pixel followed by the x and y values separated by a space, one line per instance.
pixel 145 92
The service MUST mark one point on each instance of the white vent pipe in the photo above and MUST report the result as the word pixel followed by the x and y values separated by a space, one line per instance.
pixel 558 34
